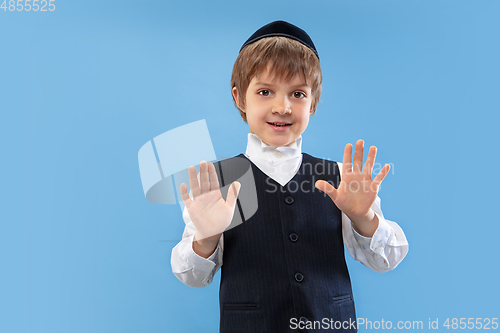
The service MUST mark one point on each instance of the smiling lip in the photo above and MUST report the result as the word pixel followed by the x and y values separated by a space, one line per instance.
pixel 278 123
pixel 280 128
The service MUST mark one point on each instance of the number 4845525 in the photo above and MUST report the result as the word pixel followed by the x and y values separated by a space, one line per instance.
pixel 28 5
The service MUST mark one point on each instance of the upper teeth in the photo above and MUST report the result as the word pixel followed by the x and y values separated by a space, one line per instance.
pixel 276 124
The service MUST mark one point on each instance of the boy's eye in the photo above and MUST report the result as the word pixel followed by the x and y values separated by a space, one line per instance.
pixel 264 92
pixel 299 94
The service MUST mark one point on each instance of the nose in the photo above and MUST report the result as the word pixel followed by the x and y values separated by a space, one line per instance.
pixel 282 106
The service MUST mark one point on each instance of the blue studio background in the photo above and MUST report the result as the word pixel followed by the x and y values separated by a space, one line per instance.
pixel 83 87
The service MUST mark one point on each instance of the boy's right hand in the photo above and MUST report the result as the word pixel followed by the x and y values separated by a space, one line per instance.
pixel 210 214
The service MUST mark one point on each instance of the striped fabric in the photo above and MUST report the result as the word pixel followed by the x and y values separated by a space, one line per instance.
pixel 286 262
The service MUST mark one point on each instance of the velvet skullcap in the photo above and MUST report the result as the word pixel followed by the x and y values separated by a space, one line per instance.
pixel 285 29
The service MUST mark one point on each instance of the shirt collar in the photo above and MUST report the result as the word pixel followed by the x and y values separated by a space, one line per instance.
pixel 257 148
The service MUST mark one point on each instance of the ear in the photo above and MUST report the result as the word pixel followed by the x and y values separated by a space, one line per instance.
pixel 236 100
pixel 312 108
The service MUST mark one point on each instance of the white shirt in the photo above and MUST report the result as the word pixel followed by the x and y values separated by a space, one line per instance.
pixel 381 253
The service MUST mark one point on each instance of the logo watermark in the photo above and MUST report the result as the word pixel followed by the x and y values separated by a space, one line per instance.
pixel 366 324
pixel 324 168
pixel 28 5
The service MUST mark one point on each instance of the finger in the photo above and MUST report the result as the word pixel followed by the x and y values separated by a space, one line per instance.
pixel 381 175
pixel 204 184
pixel 327 188
pixel 193 182
pixel 232 194
pixel 358 156
pixel 370 161
pixel 212 174
pixel 185 196
pixel 347 161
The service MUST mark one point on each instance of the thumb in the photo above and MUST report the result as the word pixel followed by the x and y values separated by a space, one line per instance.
pixel 327 188
pixel 232 193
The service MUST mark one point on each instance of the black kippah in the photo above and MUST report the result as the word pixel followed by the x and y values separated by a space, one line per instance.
pixel 285 29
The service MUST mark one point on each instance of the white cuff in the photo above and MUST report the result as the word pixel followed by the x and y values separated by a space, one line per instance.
pixel 377 242
pixel 195 260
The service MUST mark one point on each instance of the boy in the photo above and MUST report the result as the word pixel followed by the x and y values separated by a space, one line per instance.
pixel 284 267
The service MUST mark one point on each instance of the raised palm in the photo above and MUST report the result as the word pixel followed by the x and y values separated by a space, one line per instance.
pixel 208 210
pixel 357 190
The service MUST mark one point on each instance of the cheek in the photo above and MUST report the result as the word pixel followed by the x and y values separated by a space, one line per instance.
pixel 305 122
pixel 258 110
pixel 305 119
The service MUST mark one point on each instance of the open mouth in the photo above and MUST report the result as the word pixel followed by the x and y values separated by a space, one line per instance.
pixel 280 124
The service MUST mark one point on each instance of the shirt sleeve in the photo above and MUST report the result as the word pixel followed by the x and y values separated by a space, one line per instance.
pixel 384 250
pixel 190 268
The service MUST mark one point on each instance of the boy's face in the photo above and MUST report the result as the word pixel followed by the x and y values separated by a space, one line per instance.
pixel 269 100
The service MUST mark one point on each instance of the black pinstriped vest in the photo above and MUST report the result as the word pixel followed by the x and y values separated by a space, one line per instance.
pixel 286 262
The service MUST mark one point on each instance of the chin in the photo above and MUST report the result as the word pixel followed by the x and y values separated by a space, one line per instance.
pixel 280 143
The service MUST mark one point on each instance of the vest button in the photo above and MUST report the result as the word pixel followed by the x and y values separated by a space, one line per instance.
pixel 289 200
pixel 294 237
pixel 299 277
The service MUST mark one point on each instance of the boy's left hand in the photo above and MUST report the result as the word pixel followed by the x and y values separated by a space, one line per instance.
pixel 357 190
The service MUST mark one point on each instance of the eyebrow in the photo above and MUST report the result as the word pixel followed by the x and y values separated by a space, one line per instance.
pixel 264 83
